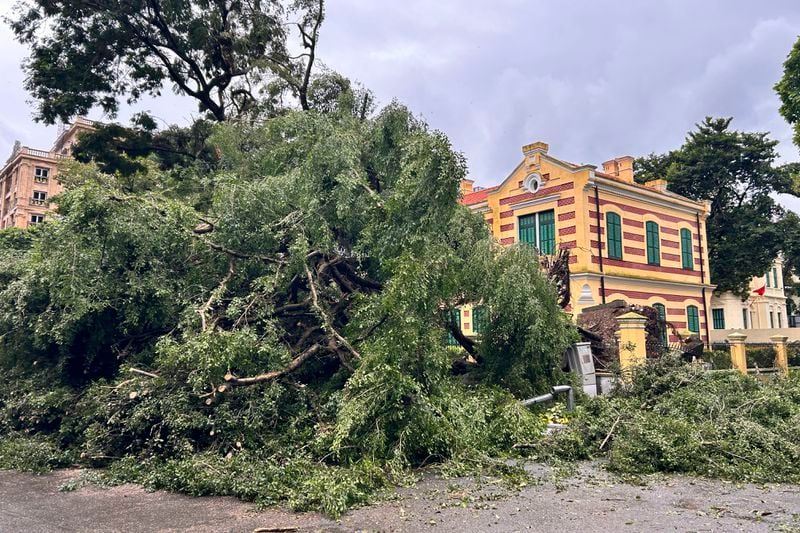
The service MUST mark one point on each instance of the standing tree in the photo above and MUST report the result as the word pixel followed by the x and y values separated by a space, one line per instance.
pixel 734 171
pixel 788 89
pixel 226 54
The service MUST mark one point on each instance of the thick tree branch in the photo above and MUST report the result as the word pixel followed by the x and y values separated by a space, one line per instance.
pixel 328 323
pixel 233 381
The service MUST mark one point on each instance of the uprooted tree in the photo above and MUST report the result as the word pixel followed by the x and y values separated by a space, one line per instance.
pixel 301 316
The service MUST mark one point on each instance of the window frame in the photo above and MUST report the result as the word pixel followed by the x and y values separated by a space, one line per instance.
pixel 534 223
pixel 36 216
pixel 41 193
pixel 718 318
pixel 687 245
pixel 479 319
pixel 613 235
pixel 661 310
pixel 693 318
pixel 653 242
pixel 454 313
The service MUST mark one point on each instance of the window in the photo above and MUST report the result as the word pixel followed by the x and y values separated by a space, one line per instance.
pixel 40 195
pixel 40 174
pixel 686 249
pixel 662 322
pixel 718 318
pixel 455 316
pixel 614 235
pixel 768 285
pixel 744 318
pixel 479 319
pixel 539 229
pixel 771 319
pixel 653 244
pixel 36 219
pixel 780 320
pixel 692 319
pixel 775 277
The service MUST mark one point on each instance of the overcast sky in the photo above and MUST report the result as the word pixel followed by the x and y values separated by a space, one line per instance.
pixel 595 79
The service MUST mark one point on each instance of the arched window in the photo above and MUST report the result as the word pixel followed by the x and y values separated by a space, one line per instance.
pixel 614 236
pixel 662 322
pixel 692 319
pixel 686 249
pixel 653 244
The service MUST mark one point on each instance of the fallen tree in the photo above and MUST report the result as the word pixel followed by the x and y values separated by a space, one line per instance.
pixel 292 327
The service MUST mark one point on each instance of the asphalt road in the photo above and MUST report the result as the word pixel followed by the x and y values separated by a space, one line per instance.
pixel 588 501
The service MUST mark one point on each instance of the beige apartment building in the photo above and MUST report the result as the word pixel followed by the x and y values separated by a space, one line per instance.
pixel 29 179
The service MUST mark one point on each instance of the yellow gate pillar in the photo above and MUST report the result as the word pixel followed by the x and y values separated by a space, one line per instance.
pixel 781 353
pixel 632 341
pixel 738 357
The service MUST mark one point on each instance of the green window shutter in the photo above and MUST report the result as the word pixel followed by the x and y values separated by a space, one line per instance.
pixel 455 315
pixel 692 319
pixel 653 244
pixel 686 249
pixel 614 236
pixel 662 323
pixel 718 318
pixel 527 229
pixel 547 232
pixel 478 319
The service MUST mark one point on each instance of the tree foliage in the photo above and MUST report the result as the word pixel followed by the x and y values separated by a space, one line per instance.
pixel 788 89
pixel 297 317
pixel 231 56
pixel 679 418
pixel 735 172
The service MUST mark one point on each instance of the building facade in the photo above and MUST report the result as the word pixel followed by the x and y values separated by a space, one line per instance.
pixel 764 312
pixel 29 179
pixel 627 241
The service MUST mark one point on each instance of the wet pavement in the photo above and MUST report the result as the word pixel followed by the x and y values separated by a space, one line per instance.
pixel 588 500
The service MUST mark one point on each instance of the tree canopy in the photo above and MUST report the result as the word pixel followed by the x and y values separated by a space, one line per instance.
pixel 231 56
pixel 735 171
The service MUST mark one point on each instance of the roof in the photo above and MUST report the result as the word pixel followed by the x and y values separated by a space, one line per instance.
pixel 477 196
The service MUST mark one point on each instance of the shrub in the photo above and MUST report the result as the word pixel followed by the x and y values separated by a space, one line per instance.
pixel 763 357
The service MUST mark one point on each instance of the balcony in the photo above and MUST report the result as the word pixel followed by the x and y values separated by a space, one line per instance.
pixel 36 201
pixel 40 179
pixel 40 153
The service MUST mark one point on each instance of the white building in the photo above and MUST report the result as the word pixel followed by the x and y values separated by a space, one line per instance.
pixel 764 312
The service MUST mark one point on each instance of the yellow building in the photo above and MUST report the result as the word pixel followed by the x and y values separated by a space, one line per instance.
pixel 29 180
pixel 628 241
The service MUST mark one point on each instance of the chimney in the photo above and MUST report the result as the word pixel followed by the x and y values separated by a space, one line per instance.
pixel 658 185
pixel 466 186
pixel 620 167
pixel 626 168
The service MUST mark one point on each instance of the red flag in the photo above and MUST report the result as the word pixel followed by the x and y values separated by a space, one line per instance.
pixel 760 291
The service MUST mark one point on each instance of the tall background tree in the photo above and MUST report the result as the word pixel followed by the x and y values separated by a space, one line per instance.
pixel 736 172
pixel 231 56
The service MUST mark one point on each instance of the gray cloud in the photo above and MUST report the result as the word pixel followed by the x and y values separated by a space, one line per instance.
pixel 595 79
